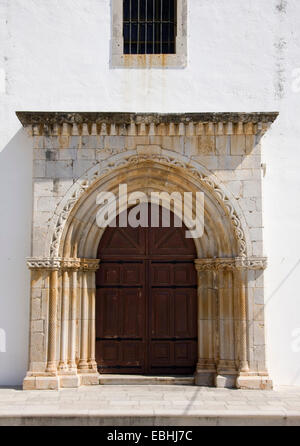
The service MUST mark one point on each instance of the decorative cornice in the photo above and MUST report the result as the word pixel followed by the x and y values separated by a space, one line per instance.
pixel 144 124
pixel 58 263
pixel 237 263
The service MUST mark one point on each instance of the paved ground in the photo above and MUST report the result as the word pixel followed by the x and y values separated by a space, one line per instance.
pixel 150 405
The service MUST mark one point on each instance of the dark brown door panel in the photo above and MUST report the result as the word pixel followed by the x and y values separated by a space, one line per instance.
pixel 146 302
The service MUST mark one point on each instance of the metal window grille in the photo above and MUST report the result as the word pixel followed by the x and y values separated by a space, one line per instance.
pixel 149 26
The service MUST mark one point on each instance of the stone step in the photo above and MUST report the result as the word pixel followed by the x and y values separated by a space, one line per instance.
pixel 146 380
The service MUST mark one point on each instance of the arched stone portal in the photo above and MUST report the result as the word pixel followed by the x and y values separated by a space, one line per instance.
pixel 229 271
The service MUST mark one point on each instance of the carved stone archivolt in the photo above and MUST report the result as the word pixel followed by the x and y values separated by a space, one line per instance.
pixel 204 177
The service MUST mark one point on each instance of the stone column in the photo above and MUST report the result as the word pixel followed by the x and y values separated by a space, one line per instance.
pixel 223 324
pixel 87 365
pixel 67 368
pixel 63 364
pixel 92 322
pixel 73 318
pixel 52 326
pixel 207 341
pixel 52 358
pixel 241 284
pixel 248 377
pixel 83 363
pixel 226 366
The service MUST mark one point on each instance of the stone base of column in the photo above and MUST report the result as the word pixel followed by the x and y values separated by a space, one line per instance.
pixel 61 381
pixel 41 383
pixel 71 381
pixel 225 380
pixel 89 379
pixel 205 378
pixel 226 374
pixel 254 382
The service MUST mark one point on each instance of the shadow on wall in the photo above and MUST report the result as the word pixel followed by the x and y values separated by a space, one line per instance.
pixel 16 214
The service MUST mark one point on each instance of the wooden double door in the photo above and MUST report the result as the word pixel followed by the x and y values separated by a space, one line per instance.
pixel 146 302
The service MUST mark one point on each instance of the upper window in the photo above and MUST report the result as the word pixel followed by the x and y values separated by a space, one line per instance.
pixel 149 34
pixel 149 26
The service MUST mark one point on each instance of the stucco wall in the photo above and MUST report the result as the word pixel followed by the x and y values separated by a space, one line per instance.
pixel 242 56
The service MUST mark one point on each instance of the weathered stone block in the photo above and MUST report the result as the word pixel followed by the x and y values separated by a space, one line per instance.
pixel 29 383
pixel 67 154
pixel 80 167
pixel 223 145
pixel 149 150
pixel 254 383
pixel 254 219
pixel 51 142
pixel 250 145
pixel 251 162
pixel 258 296
pixel 238 145
pixel 225 381
pixel 210 162
pixel 118 142
pixel 36 309
pixel 229 162
pixel 75 142
pixel 47 383
pixel 89 379
pixel 236 187
pixel 256 234
pixel 252 189
pixel 37 350
pixel 259 333
pixel 37 326
pixel 59 169
pixel 69 381
pixel 86 154
pixel 259 313
pixel 39 168
pixel 257 248
pixel 173 143
pixel 207 145
pixel 191 146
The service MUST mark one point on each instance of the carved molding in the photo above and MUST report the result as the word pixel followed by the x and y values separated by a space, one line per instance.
pixel 237 263
pixel 137 124
pixel 47 263
pixel 206 179
pixel 57 263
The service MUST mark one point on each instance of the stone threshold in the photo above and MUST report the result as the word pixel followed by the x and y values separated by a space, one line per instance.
pixel 148 418
pixel 109 379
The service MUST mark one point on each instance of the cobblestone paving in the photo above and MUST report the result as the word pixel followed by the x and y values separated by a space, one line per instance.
pixel 157 405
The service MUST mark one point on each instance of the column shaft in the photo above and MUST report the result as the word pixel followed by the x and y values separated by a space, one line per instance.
pixel 63 365
pixel 72 350
pixel 92 331
pixel 51 364
pixel 84 342
pixel 244 366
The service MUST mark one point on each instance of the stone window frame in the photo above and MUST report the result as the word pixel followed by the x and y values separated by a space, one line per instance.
pixel 121 60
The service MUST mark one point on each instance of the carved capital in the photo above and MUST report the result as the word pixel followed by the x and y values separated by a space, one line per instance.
pixel 70 264
pixel 89 264
pixel 254 263
pixel 235 263
pixel 46 263
pixel 57 263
